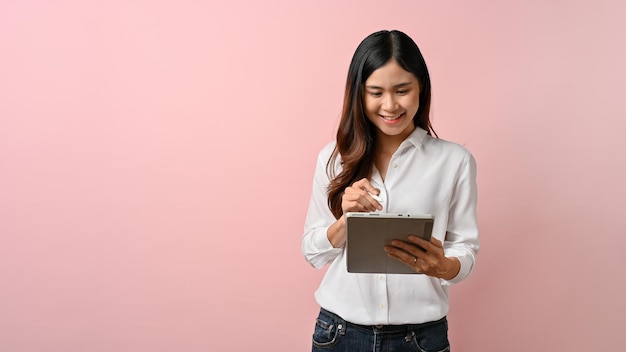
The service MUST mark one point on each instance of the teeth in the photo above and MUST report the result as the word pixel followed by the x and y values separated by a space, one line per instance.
pixel 391 118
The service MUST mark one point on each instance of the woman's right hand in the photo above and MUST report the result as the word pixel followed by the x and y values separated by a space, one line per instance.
pixel 358 197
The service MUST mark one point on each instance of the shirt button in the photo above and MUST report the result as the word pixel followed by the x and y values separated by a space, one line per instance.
pixel 382 306
pixel 394 165
pixel 381 278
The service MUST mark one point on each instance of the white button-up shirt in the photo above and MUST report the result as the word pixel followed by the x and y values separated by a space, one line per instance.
pixel 426 175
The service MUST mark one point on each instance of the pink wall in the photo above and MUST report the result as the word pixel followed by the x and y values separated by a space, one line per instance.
pixel 134 134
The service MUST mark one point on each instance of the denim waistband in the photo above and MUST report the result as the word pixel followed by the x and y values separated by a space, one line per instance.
pixel 387 328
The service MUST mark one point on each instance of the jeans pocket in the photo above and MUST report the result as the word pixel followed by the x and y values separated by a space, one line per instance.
pixel 327 331
pixel 432 337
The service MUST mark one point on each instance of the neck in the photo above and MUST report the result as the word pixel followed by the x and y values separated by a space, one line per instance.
pixel 389 144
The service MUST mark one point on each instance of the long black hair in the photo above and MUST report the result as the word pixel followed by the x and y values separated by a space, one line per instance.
pixel 356 135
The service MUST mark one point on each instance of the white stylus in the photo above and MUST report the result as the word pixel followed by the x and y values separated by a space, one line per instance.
pixel 377 198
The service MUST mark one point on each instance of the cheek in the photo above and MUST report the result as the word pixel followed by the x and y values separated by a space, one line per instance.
pixel 370 107
pixel 412 103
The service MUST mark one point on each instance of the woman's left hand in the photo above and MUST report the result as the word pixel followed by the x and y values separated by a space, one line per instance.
pixel 424 257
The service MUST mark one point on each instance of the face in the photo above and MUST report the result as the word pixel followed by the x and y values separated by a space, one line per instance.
pixel 391 99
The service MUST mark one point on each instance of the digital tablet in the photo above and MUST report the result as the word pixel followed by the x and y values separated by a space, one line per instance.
pixel 368 233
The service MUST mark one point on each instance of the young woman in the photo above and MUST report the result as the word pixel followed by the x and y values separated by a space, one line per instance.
pixel 386 147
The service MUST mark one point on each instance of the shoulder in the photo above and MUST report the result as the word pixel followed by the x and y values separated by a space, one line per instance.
pixel 324 156
pixel 448 149
pixel 326 152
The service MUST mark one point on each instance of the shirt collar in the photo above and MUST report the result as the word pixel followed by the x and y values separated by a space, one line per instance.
pixel 416 138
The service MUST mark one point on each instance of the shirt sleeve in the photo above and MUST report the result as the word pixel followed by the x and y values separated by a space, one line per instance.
pixel 316 247
pixel 462 231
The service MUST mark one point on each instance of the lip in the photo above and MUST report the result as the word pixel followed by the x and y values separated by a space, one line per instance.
pixel 394 121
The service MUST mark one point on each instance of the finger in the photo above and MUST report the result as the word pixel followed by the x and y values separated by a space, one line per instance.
pixel 356 203
pixel 422 262
pixel 419 241
pixel 354 193
pixel 364 184
pixel 397 251
pixel 434 253
pixel 434 245
pixel 353 206
pixel 435 242
pixel 394 252
pixel 400 255
pixel 405 258
pixel 412 249
pixel 366 203
pixel 420 246
pixel 374 203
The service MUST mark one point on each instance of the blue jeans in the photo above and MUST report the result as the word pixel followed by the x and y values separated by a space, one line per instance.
pixel 332 333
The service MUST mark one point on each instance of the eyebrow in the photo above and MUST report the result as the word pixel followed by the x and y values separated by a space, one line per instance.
pixel 404 84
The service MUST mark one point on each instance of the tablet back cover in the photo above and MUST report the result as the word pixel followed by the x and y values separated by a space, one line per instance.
pixel 368 233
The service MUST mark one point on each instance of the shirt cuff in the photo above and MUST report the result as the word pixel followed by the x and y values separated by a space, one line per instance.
pixel 323 251
pixel 322 243
pixel 466 267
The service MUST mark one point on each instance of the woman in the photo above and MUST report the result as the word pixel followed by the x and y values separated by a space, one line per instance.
pixel 386 147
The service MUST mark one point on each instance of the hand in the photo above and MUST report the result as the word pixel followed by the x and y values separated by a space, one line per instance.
pixel 424 257
pixel 357 198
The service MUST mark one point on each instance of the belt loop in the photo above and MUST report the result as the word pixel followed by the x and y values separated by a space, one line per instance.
pixel 410 334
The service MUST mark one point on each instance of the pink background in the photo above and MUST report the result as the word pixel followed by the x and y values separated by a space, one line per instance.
pixel 135 134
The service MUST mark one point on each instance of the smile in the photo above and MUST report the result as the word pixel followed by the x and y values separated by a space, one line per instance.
pixel 391 118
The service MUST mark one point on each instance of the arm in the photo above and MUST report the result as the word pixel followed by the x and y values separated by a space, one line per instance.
pixel 453 260
pixel 320 224
pixel 462 233
pixel 324 236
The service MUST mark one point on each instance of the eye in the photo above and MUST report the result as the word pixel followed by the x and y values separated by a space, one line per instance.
pixel 402 91
pixel 375 94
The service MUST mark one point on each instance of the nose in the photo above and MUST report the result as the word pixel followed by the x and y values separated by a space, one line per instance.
pixel 389 102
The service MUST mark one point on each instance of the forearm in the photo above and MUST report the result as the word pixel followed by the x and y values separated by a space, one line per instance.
pixel 465 256
pixel 316 243
pixel 452 269
pixel 337 232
